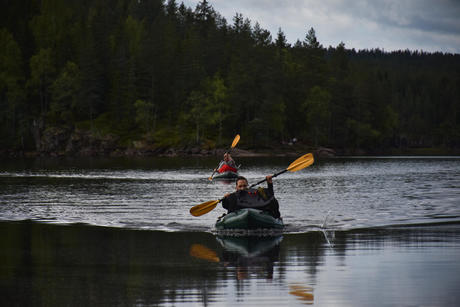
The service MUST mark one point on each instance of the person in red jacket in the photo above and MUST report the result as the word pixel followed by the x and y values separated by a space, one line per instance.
pixel 227 165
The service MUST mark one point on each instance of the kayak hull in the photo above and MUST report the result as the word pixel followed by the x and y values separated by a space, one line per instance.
pixel 226 175
pixel 250 246
pixel 249 218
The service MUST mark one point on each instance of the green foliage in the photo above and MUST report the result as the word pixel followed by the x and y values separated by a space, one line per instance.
pixel 13 126
pixel 168 137
pixel 361 134
pixel 318 114
pixel 145 116
pixel 42 73
pixel 274 115
pixel 65 94
pixel 206 109
pixel 181 76
pixel 311 42
pixel 390 122
pixel 10 60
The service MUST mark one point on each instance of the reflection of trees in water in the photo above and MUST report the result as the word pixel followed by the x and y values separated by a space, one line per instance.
pixel 49 265
pixel 255 256
pixel 81 265
pixel 306 248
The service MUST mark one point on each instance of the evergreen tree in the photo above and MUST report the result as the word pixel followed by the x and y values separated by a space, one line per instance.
pixel 42 70
pixel 157 69
pixel 65 94
pixel 318 114
pixel 13 118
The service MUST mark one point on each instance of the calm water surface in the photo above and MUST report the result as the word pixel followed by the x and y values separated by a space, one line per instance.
pixel 156 194
pixel 117 232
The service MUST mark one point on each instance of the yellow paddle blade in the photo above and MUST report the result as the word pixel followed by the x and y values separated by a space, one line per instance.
pixel 202 252
pixel 236 140
pixel 204 208
pixel 301 163
pixel 303 158
pixel 303 293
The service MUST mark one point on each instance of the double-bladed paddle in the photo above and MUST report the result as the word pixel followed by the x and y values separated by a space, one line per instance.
pixel 301 163
pixel 235 141
pixel 297 165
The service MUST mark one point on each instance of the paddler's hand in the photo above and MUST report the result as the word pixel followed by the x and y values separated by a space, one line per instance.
pixel 227 195
pixel 269 178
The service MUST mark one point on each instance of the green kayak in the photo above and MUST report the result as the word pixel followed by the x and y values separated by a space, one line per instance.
pixel 249 219
pixel 226 175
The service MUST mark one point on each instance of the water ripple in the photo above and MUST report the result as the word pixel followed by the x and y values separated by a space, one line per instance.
pixel 353 192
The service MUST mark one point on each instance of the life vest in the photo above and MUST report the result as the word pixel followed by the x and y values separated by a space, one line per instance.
pixel 253 198
pixel 227 168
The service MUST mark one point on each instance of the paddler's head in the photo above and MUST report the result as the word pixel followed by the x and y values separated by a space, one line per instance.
pixel 241 183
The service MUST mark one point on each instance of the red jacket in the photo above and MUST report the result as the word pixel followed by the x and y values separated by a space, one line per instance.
pixel 226 168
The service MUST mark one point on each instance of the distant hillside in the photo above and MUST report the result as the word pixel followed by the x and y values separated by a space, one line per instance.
pixel 102 76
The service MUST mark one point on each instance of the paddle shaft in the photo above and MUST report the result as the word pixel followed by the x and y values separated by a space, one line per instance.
pixel 277 174
pixel 300 163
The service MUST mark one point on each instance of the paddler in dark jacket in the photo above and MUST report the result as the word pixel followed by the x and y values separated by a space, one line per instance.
pixel 261 198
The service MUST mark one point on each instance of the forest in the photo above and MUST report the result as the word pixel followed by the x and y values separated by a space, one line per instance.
pixel 152 75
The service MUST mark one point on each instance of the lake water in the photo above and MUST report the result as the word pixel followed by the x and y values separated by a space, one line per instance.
pixel 381 231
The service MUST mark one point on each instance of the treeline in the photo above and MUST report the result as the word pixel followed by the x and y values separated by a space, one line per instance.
pixel 163 74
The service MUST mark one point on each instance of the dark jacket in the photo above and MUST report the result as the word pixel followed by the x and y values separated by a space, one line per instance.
pixel 261 198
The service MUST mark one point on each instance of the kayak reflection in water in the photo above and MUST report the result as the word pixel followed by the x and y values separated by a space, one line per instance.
pixel 261 198
pixel 246 254
pixel 250 254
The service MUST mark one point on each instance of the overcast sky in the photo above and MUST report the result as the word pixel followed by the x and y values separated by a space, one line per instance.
pixel 429 25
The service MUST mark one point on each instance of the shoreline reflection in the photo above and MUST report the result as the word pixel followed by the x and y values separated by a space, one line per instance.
pixel 81 265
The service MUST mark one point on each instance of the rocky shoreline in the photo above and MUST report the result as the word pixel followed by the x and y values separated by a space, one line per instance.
pixel 320 152
pixel 58 142
pixel 67 142
pixel 168 152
